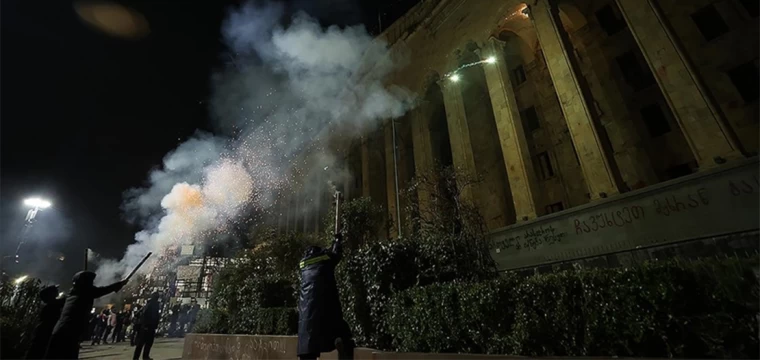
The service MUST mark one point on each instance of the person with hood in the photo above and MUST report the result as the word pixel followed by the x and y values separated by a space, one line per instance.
pixel 49 315
pixel 321 327
pixel 147 331
pixel 64 343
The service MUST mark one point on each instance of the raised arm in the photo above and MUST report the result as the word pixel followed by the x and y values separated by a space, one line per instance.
pixel 100 291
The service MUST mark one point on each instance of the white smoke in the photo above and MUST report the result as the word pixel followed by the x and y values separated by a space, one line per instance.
pixel 285 92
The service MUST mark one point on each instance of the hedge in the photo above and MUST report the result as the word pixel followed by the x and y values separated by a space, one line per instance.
pixel 264 321
pixel 666 309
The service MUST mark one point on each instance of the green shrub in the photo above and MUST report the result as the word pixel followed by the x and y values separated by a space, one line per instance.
pixel 277 321
pixel 212 320
pixel 667 309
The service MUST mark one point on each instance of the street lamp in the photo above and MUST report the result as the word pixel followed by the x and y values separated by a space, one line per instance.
pixel 36 204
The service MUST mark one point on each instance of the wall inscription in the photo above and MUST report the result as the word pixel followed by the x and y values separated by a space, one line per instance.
pixel 703 205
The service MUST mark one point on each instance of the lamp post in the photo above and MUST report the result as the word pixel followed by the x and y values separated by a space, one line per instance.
pixel 35 204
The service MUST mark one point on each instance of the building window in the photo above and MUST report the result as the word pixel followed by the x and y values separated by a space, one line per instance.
pixel 634 74
pixel 609 20
pixel 752 7
pixel 709 22
pixel 519 74
pixel 545 166
pixel 655 120
pixel 530 119
pixel 678 171
pixel 746 80
pixel 556 207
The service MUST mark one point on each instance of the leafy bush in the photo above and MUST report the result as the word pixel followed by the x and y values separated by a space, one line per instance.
pixel 19 313
pixel 667 309
pixel 260 278
pixel 277 321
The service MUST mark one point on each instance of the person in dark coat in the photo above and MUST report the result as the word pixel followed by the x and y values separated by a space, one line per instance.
pixel 147 332
pixel 192 315
pixel 136 323
pixel 49 315
pixel 173 320
pixel 321 327
pixel 116 336
pixel 64 343
pixel 184 316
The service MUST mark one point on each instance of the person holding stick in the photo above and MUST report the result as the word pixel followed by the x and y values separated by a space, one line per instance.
pixel 64 343
pixel 321 327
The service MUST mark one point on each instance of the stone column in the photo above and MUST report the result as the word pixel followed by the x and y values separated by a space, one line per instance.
pixel 390 180
pixel 365 168
pixel 347 182
pixel 391 171
pixel 703 125
pixel 514 144
pixel 599 170
pixel 459 137
pixel 423 153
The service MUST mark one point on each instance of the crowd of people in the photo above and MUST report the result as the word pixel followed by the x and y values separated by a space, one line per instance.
pixel 65 322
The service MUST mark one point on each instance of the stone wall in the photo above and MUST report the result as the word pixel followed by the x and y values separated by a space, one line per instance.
pixel 718 209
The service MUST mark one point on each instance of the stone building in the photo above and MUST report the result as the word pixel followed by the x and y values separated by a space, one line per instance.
pixel 572 110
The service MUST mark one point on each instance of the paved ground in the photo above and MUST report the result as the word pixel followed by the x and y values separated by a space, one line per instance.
pixel 163 349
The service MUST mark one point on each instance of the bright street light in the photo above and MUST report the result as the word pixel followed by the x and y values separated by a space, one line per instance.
pixel 37 203
pixel 20 279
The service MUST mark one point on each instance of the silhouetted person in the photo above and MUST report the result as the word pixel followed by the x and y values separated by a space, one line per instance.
pixel 117 334
pixel 64 343
pixel 184 316
pixel 49 315
pixel 110 325
pixel 321 327
pixel 147 332
pixel 100 327
pixel 192 315
pixel 136 323
pixel 173 318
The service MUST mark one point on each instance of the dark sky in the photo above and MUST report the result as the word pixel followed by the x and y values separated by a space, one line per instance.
pixel 85 116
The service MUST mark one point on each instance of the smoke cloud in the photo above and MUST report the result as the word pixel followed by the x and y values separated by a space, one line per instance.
pixel 290 86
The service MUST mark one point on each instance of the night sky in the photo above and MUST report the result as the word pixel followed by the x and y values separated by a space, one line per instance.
pixel 85 116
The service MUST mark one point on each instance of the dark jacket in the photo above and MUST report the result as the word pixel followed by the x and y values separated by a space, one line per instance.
pixel 64 343
pixel 320 319
pixel 49 315
pixel 150 315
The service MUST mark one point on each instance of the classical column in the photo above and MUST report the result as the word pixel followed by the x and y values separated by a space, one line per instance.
pixel 599 170
pixel 366 190
pixel 391 180
pixel 349 181
pixel 423 153
pixel 459 137
pixel 703 125
pixel 514 144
